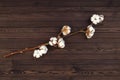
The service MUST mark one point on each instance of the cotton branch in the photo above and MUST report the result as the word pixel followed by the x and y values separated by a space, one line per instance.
pixel 24 50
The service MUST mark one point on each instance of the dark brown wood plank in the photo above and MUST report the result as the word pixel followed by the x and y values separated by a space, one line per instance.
pixel 65 3
pixel 27 23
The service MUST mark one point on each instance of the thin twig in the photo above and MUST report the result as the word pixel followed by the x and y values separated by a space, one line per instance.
pixel 59 34
pixel 33 48
pixel 75 33
pixel 24 50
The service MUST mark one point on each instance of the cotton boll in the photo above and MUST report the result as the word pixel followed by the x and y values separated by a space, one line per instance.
pixel 61 43
pixel 53 38
pixel 53 41
pixel 66 30
pixel 95 19
pixel 43 49
pixel 90 32
pixel 37 53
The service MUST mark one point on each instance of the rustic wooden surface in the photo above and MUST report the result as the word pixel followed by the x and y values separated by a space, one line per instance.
pixel 27 23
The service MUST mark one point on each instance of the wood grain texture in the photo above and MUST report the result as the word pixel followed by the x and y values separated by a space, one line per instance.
pixel 27 23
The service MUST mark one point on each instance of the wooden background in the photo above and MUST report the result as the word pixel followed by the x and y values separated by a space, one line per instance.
pixel 27 23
